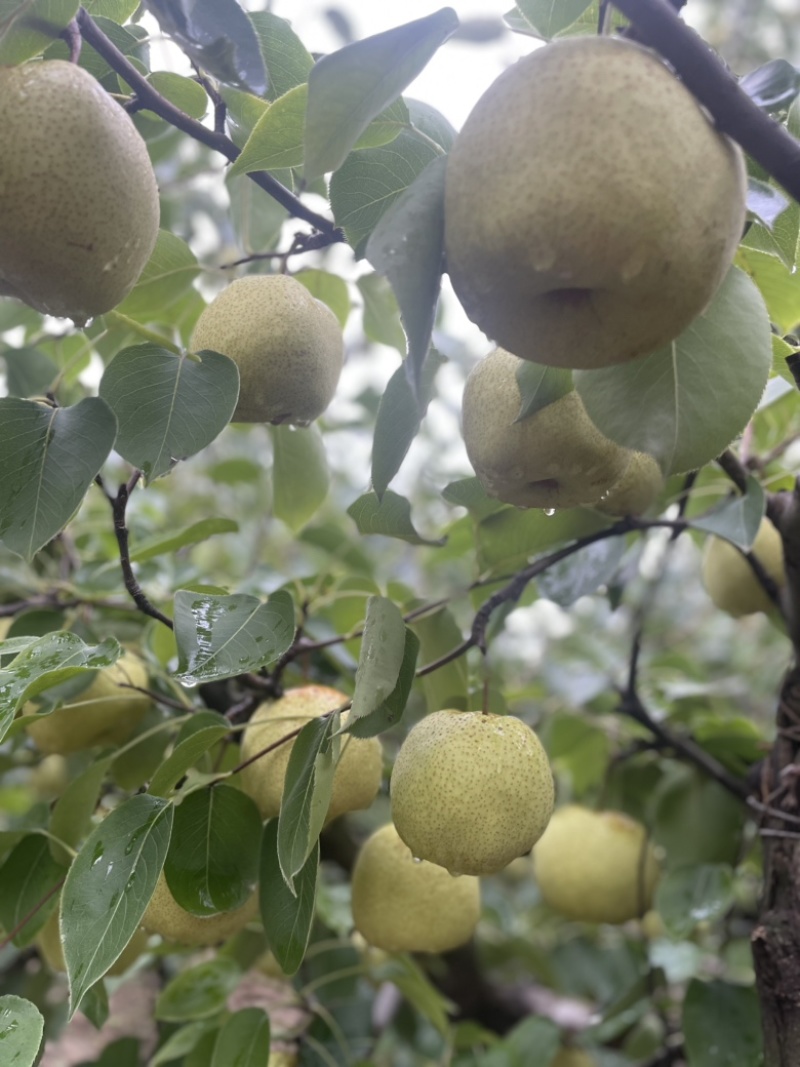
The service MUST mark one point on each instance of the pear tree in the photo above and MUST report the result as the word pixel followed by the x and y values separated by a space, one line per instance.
pixel 399 539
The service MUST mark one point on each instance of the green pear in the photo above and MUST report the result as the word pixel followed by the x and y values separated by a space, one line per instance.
pixel 79 203
pixel 105 713
pixel 554 458
pixel 358 774
pixel 596 866
pixel 166 917
pixel 287 345
pixel 404 904
pixel 730 580
pixel 636 491
pixel 470 791
pixel 591 208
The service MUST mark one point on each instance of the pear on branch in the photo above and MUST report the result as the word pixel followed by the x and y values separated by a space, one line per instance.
pixel 591 209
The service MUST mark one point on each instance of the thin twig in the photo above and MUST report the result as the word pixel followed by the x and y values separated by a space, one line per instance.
pixel 154 101
pixel 119 504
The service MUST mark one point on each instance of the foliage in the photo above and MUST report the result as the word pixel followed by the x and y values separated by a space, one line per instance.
pixel 239 560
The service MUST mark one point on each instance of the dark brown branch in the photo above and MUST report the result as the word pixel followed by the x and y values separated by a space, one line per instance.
pixel 631 705
pixel 769 143
pixel 72 35
pixel 119 504
pixel 154 101
pixel 734 469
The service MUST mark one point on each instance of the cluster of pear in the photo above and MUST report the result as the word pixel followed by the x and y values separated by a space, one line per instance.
pixel 591 213
pixel 79 207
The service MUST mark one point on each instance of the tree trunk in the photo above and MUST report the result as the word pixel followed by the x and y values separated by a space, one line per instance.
pixel 776 938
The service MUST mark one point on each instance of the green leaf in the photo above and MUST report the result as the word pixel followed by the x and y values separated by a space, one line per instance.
pixel 212 863
pixel 286 915
pixel 300 478
pixel 582 573
pixel 779 286
pixel 407 245
pixel 277 139
pixel 28 874
pixel 29 372
pixel 407 975
pixel 738 519
pixel 218 36
pixel 192 535
pixel 285 55
pixel 185 755
pixel 243 1040
pixel 381 316
pixel 686 402
pixel 398 421
pixel 306 794
pixel 185 93
pixel 540 386
pixel 390 711
pixel 48 459
pixel 390 517
pixel 382 646
pixel 222 636
pixel 199 992
pixel 690 895
pixel 180 1043
pixel 348 88
pixel 72 814
pixel 27 27
pixel 448 687
pixel 548 18
pixel 371 179
pixel 385 127
pixel 117 10
pixel 48 662
pixel 330 289
pixel 773 86
pixel 168 407
pixel 721 1025
pixel 167 275
pixel 109 886
pixel 21 1031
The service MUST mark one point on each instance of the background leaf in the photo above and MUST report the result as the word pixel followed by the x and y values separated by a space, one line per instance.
pixel 48 459
pixel 222 636
pixel 287 916
pixel 721 1025
pixel 22 1027
pixel 27 876
pixel 168 407
pixel 27 28
pixel 243 1040
pixel 687 896
pixel 109 886
pixel 348 88
pixel 382 646
pixel 390 516
pixel 686 402
pixel 218 36
pixel 300 477
pixel 199 992
pixel 407 246
pixel 212 863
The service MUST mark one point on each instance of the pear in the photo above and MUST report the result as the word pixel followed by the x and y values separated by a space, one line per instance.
pixel 166 917
pixel 404 904
pixel 105 713
pixel 596 866
pixel 79 203
pixel 573 1057
pixel 591 209
pixel 50 947
pixel 287 345
pixel 470 791
pixel 554 458
pixel 636 491
pixel 730 580
pixel 358 774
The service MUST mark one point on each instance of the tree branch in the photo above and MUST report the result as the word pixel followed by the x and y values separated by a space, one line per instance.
pixel 703 73
pixel 154 101
pixel 119 504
